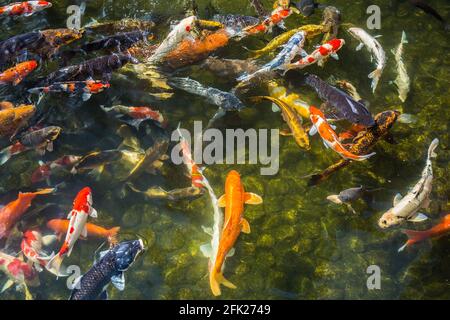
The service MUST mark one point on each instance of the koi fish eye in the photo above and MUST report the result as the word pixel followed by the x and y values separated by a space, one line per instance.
pixel 188 28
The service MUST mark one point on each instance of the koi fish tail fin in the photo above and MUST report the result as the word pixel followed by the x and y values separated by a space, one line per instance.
pixel 44 191
pixel 215 280
pixel 5 155
pixel 316 179
pixel 414 237
pixel 375 76
pixel 28 295
pixel 433 146
pixel 364 157
pixel 404 40
pixel 54 265
pixel 112 237
pixel 35 90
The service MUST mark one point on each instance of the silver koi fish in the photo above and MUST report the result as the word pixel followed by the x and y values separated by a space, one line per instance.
pixel 406 208
pixel 402 81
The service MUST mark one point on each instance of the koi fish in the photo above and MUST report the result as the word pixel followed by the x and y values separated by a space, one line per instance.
pixel 13 211
pixel 19 272
pixel 45 170
pixel 346 107
pixel 234 223
pixel 402 80
pixel 13 46
pixel 329 136
pixel 276 19
pixel 60 226
pixel 331 22
pixel 82 208
pixel 182 30
pixel 291 49
pixel 86 88
pixel 235 23
pixel 96 161
pixel 16 74
pixel 13 119
pixel 40 140
pixel 138 114
pixel 347 196
pixel 293 100
pixel 418 236
pixel 292 119
pixel 26 8
pixel 375 49
pixel 171 195
pixel 406 208
pixel 226 101
pixel 322 52
pixel 110 268
pixel 350 89
pixel 31 246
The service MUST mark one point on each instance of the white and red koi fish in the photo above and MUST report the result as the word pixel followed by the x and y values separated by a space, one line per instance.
pixel 85 88
pixel 137 114
pixel 322 52
pixel 31 246
pixel 26 8
pixel 276 18
pixel 329 136
pixel 82 209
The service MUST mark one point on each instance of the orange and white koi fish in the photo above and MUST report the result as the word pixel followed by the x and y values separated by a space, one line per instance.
pixel 31 246
pixel 276 18
pixel 60 226
pixel 26 8
pixel 16 74
pixel 322 52
pixel 86 88
pixel 234 223
pixel 82 208
pixel 329 136
pixel 13 211
pixel 418 236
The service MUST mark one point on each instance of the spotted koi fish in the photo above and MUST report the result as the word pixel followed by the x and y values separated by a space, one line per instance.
pixel 138 114
pixel 31 246
pixel 329 136
pixel 82 208
pixel 26 8
pixel 16 74
pixel 328 49
pixel 276 18
pixel 86 88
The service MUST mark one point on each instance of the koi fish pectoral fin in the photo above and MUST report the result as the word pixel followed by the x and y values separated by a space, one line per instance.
pixel 397 199
pixel 207 230
pixel 93 213
pixel 206 250
pixel 419 217
pixel 360 46
pixel 245 226
pixel 222 201
pixel 119 281
pixel 252 198
pixel 8 284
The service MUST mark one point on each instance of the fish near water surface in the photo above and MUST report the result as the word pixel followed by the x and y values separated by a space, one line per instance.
pixel 32 247
pixel 25 8
pixel 110 267
pixel 45 170
pixel 407 208
pixel 402 80
pixel 13 119
pixel 85 88
pixel 16 74
pixel 234 223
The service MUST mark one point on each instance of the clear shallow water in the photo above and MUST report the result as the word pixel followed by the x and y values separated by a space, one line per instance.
pixel 301 246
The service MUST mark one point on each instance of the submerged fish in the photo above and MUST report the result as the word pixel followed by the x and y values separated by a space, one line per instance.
pixel 362 144
pixel 16 74
pixel 40 140
pixel 402 81
pixel 137 114
pixel 13 119
pixel 292 48
pixel 82 209
pixel 226 101
pixel 407 208
pixel 234 223
pixel 110 268
pixel 346 107
pixel 18 272
pixel 14 46
pixel 26 8
pixel 331 22
pixel 182 30
pixel 322 52
pixel 45 170
pixel 96 161
pixel 292 119
pixel 276 18
pixel 60 227
pixel 293 100
pixel 376 51
pixel 347 196
pixel 425 7
pixel 171 195
pixel 235 23
pixel 117 26
pixel 330 138
pixel 418 236
pixel 31 246
pixel 350 89
pixel 119 41
pixel 86 88
pixel 13 211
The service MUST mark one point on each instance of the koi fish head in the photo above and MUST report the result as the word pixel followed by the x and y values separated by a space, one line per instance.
pixel 126 253
pixel 52 132
pixel 59 37
pixel 233 178
pixel 41 5
pixel 83 200
pixel 385 120
pixel 97 86
pixel 315 114
pixel 388 219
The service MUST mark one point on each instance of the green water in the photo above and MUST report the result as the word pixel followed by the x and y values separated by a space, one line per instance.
pixel 301 245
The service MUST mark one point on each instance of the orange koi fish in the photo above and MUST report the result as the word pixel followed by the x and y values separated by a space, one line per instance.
pixel 329 136
pixel 18 73
pixel 26 8
pixel 233 200
pixel 418 236
pixel 13 211
pixel 60 226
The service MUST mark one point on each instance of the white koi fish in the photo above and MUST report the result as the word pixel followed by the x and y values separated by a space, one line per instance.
pixel 402 81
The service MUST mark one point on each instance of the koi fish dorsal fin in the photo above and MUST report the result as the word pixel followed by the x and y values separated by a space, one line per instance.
pixel 252 198
pixel 245 226
pixel 397 199
pixel 221 202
